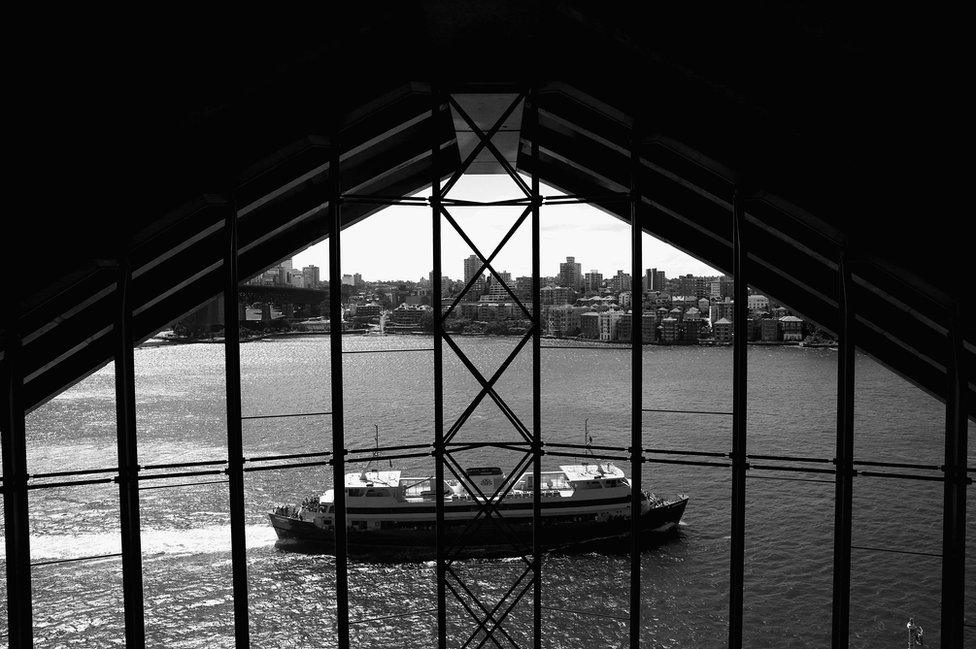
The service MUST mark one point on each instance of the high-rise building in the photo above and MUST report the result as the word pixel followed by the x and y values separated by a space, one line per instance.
pixel 593 281
pixel 523 288
pixel 656 280
pixel 347 280
pixel 620 282
pixel 721 288
pixel 471 266
pixel 357 280
pixel 693 286
pixel 571 274
pixel 311 276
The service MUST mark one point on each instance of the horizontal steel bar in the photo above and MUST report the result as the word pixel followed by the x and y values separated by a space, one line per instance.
pixel 460 447
pixel 179 474
pixel 899 465
pixel 293 465
pixel 387 351
pixel 390 197
pixel 375 449
pixel 588 197
pixel 390 617
pixel 661 460
pixel 915 552
pixel 297 414
pixel 797 469
pixel 181 484
pixel 180 465
pixel 585 447
pixel 788 479
pixel 675 451
pixel 70 483
pixel 60 474
pixel 788 458
pixel 380 458
pixel 292 456
pixel 603 615
pixel 904 476
pixel 513 202
pixel 621 458
pixel 687 412
pixel 384 200
pixel 91 558
pixel 473 444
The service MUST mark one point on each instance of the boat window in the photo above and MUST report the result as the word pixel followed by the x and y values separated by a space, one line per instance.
pixel 354 493
pixel 588 484
pixel 377 493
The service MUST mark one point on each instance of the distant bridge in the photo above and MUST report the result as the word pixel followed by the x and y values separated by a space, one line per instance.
pixel 282 294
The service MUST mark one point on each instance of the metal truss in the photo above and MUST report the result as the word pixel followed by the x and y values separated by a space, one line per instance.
pixel 488 619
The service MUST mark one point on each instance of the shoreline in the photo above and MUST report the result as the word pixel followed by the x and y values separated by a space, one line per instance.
pixel 579 342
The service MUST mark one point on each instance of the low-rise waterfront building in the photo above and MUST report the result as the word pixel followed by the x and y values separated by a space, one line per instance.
pixel 722 330
pixel 770 330
pixel 791 328
pixel 590 325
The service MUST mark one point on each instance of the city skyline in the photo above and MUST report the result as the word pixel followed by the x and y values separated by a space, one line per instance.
pixel 394 243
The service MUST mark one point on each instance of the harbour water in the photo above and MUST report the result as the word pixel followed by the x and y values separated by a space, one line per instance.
pixel 186 546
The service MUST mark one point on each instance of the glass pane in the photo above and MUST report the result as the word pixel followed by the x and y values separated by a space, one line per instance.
pixel 76 600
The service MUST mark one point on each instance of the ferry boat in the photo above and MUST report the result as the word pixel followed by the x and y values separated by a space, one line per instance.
pixel 583 506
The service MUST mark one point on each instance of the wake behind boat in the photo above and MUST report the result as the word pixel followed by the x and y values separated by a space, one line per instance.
pixel 389 514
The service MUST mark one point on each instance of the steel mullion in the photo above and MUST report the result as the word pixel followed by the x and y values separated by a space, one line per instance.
pixel 484 389
pixel 516 422
pixel 480 145
pixel 335 359
pixel 13 437
pixel 464 603
pixel 844 478
pixel 636 390
pixel 484 260
pixel 128 469
pixel 508 235
pixel 533 114
pixel 439 540
pixel 491 147
pixel 739 405
pixel 235 429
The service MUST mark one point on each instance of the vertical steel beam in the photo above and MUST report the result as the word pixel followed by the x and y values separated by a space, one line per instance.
pixel 338 435
pixel 435 210
pixel 844 477
pixel 235 433
pixel 636 390
pixel 954 499
pixel 738 454
pixel 125 418
pixel 533 116
pixel 13 436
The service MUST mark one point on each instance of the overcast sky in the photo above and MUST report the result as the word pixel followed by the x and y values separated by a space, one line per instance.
pixel 395 243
